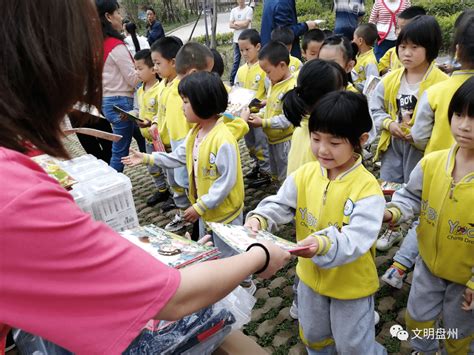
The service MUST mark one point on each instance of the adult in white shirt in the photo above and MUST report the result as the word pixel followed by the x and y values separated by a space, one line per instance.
pixel 240 19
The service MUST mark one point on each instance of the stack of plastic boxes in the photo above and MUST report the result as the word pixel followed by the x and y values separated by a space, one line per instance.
pixel 102 192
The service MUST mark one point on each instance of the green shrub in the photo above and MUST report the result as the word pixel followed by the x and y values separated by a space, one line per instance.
pixel 441 8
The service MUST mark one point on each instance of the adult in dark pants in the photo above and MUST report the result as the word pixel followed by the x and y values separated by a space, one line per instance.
pixel 282 13
pixel 348 16
pixel 154 28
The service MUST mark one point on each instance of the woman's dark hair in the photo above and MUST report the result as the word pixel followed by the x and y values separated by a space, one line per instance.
pixel 464 38
pixel 198 88
pixel 218 63
pixel 107 7
pixel 423 31
pixel 343 114
pixel 45 71
pixel 132 29
pixel 317 77
pixel 463 100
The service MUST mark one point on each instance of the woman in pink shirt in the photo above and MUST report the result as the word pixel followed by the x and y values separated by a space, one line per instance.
pixel 64 276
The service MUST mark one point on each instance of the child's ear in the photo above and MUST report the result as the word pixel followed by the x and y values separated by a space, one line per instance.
pixel 258 46
pixel 363 138
pixel 173 62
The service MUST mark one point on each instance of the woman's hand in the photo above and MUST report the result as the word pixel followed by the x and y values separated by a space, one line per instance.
pixel 134 158
pixel 253 224
pixel 278 258
pixel 312 245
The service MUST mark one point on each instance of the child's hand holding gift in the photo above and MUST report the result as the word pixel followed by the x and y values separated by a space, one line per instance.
pixel 312 245
pixel 191 215
pixel 255 121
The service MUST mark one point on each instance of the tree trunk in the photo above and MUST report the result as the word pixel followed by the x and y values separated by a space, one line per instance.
pixel 214 25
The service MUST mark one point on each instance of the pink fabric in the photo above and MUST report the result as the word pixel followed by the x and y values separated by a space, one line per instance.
pixel 119 77
pixel 68 278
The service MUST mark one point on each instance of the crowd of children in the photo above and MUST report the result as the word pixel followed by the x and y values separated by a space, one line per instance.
pixel 308 134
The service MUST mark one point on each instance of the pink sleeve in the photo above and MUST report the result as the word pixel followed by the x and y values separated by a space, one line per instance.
pixel 124 61
pixel 68 278
pixel 374 14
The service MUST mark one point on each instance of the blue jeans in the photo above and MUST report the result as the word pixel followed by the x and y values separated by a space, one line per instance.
pixel 380 49
pixel 126 129
pixel 236 64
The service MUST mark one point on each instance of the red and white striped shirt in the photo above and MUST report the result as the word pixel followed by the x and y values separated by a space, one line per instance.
pixel 384 16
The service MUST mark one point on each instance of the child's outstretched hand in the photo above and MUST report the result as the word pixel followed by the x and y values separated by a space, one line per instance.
pixel 191 215
pixel 253 224
pixel 468 304
pixel 134 158
pixel 312 244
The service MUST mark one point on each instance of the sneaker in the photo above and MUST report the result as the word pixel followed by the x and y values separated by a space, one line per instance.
pixel 168 205
pixel 176 224
pixel 157 197
pixel 262 180
pixel 294 311
pixel 249 286
pixel 389 238
pixel 376 317
pixel 254 174
pixel 394 277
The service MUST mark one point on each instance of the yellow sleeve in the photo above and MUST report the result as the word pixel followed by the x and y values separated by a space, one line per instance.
pixel 237 126
pixel 384 62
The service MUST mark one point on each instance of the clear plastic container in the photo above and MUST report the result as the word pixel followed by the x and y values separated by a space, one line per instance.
pixel 74 161
pixel 80 197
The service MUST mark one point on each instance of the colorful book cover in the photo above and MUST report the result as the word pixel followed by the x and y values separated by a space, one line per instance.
pixel 169 248
pixel 240 237
pixel 390 187
pixel 52 168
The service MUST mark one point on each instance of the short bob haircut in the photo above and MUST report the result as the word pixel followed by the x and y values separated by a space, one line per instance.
pixel 343 114
pixel 206 94
pixel 411 12
pixel 250 35
pixel 218 63
pixel 423 31
pixel 463 100
pixel 45 71
pixel 275 52
pixel 192 55
pixel 144 55
pixel 168 47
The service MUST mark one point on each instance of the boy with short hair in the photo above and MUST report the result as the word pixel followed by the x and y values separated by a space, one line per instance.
pixel 251 76
pixel 286 36
pixel 366 65
pixel 274 59
pixel 147 97
pixel 390 60
pixel 312 42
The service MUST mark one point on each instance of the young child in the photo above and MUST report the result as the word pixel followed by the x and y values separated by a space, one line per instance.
pixel 393 102
pixel 440 193
pixel 338 49
pixel 317 78
pixel 366 65
pixel 390 60
pixel 338 207
pixel 384 16
pixel 251 76
pixel 312 42
pixel 274 60
pixel 240 20
pixel 147 99
pixel 286 36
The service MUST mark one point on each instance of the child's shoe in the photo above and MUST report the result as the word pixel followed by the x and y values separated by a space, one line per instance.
pixel 177 223
pixel 294 311
pixel 254 174
pixel 394 276
pixel 157 197
pixel 389 238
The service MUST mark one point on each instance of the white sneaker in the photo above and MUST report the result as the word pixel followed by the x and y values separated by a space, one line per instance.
pixel 249 286
pixel 394 277
pixel 294 311
pixel 376 317
pixel 389 238
pixel 176 224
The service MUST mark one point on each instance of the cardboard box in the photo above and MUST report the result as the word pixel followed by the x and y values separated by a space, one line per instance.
pixel 237 343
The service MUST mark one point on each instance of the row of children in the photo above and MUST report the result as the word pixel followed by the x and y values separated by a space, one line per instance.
pixel 337 203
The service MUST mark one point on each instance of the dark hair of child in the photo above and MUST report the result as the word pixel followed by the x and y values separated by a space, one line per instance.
pixel 192 55
pixel 168 47
pixel 317 77
pixel 327 33
pixel 464 39
pixel 423 31
pixel 218 62
pixel 411 12
pixel 275 53
pixel 463 100
pixel 103 7
pixel 144 54
pixel 343 114
pixel 465 14
pixel 198 88
pixel 368 32
pixel 349 49
pixel 315 35
pixel 250 35
pixel 283 34
pixel 132 30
